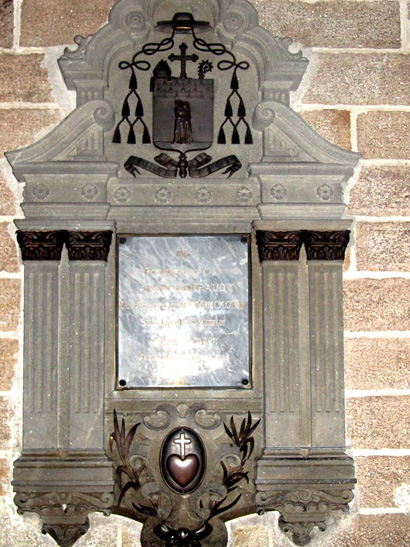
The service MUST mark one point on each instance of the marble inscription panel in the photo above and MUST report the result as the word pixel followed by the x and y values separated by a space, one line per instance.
pixel 183 311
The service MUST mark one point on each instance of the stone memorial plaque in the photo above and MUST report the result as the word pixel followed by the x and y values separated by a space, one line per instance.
pixel 183 311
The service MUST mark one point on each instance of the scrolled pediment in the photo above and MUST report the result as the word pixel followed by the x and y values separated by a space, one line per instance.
pixel 288 138
pixel 77 139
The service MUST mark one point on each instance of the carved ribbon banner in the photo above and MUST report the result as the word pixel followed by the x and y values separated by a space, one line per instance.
pixel 197 167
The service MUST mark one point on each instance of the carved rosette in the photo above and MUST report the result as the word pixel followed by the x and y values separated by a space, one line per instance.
pixel 88 245
pixel 41 245
pixel 326 245
pixel 302 510
pixel 64 515
pixel 279 245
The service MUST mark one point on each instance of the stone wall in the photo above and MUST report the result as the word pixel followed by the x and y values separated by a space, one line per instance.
pixel 356 93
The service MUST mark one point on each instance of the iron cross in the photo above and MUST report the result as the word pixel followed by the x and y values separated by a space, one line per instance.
pixel 183 58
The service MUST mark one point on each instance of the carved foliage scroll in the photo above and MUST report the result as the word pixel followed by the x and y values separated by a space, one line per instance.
pixel 287 245
pixel 41 245
pixel 326 245
pixel 49 245
pixel 279 245
pixel 88 245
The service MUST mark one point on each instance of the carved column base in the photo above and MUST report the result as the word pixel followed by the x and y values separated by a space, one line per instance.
pixel 304 491
pixel 63 490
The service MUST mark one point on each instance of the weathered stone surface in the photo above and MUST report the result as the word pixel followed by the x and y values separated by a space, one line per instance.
pixel 6 23
pixel 130 533
pixel 18 127
pixel 369 530
pixel 383 135
pixel 23 79
pixel 4 423
pixel 381 191
pixel 347 260
pixel 379 477
pixel 8 251
pixel 333 125
pixel 7 203
pixel 387 363
pixel 378 422
pixel 370 79
pixel 377 304
pixel 383 246
pixel 102 533
pixel 249 537
pixel 333 24
pixel 4 476
pixel 8 359
pixel 68 19
pixel 9 304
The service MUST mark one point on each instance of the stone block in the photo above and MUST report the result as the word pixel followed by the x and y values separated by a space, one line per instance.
pixel 9 304
pixel 5 476
pixel 383 135
pixel 386 363
pixel 333 24
pixel 7 202
pixel 47 24
pixel 8 251
pixel 347 260
pixel 18 127
pixel 6 23
pixel 381 191
pixel 8 358
pixel 377 304
pixel 383 246
pixel 333 125
pixel 4 423
pixel 358 79
pixel 379 477
pixel 370 530
pixel 375 423
pixel 23 79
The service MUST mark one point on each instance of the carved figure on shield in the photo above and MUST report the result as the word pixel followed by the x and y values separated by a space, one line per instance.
pixel 183 126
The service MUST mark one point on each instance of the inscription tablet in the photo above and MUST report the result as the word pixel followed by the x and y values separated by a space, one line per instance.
pixel 183 311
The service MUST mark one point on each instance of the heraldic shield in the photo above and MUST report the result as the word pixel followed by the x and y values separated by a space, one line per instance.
pixel 183 107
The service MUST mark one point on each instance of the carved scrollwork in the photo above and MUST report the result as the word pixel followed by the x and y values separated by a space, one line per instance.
pixel 88 245
pixel 206 420
pixel 136 476
pixel 41 245
pixel 326 245
pixel 279 245
pixel 158 421
pixel 78 53
pixel 302 510
pixel 64 514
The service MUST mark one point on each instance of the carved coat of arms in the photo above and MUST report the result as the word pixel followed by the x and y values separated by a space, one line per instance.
pixel 183 107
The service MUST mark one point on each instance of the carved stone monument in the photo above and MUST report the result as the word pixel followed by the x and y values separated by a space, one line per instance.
pixel 183 140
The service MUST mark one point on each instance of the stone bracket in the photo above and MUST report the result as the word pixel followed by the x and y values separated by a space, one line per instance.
pixel 304 492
